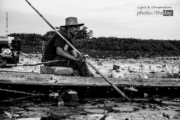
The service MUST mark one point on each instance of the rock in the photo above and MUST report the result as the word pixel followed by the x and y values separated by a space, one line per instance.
pixel 78 117
pixel 116 67
pixel 89 106
pixel 117 75
pixel 115 118
pixel 39 109
pixel 34 118
pixel 69 96
pixel 96 116
pixel 34 114
pixel 169 113
pixel 96 111
pixel 99 63
pixel 123 109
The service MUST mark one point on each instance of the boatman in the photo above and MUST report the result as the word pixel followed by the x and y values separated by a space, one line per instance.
pixel 57 49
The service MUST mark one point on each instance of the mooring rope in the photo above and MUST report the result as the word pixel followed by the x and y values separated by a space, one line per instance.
pixel 14 65
pixel 20 92
pixel 21 98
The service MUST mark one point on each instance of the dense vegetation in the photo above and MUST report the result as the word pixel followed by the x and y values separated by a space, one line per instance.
pixel 131 46
pixel 30 39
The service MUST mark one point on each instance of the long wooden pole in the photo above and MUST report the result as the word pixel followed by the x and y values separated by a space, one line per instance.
pixel 54 28
pixel 115 87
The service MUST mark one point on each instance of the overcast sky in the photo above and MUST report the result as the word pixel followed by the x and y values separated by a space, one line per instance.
pixel 117 18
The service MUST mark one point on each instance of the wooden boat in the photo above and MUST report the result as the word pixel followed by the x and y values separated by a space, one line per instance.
pixel 86 86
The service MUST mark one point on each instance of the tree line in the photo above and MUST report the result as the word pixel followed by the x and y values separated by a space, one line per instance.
pixel 132 46
pixel 125 45
pixel 30 39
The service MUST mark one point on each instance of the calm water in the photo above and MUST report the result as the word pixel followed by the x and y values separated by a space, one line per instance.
pixel 46 108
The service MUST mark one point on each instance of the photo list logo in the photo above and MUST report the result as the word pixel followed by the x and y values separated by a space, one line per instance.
pixel 6 23
pixel 154 11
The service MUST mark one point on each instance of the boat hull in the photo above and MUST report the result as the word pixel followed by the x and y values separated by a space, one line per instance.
pixel 87 86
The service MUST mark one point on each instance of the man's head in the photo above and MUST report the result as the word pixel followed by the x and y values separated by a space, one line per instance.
pixel 72 27
pixel 73 30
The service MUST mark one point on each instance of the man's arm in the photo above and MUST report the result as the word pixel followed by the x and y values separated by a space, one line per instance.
pixel 61 52
pixel 74 53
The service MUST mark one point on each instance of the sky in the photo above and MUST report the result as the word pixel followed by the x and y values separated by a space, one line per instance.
pixel 107 18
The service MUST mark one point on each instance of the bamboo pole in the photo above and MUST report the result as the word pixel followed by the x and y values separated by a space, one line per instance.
pixel 54 28
pixel 116 88
pixel 113 85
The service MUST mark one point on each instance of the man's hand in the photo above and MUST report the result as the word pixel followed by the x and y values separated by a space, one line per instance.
pixel 80 57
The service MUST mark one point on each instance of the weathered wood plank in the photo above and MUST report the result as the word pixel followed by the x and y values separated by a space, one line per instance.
pixel 52 80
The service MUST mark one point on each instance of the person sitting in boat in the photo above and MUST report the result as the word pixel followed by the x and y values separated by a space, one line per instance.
pixel 57 49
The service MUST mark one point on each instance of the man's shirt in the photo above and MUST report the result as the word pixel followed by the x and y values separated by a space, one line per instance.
pixel 55 41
